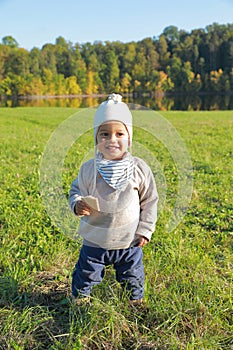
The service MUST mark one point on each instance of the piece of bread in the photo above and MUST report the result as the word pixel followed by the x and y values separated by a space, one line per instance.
pixel 92 202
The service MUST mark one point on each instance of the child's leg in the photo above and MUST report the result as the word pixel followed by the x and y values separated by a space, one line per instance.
pixel 130 271
pixel 88 272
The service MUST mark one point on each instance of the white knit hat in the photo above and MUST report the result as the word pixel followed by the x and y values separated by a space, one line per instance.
pixel 113 109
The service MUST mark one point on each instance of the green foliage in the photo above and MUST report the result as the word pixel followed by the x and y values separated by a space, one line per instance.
pixel 175 61
pixel 189 272
pixel 9 41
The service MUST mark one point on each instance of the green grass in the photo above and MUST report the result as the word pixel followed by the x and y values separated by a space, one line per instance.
pixel 188 271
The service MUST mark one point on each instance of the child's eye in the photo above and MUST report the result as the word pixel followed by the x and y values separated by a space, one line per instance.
pixel 104 134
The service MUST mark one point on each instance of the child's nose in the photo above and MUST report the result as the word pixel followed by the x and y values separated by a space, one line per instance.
pixel 112 137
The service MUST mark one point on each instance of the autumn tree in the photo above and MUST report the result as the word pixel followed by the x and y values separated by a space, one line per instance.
pixel 175 61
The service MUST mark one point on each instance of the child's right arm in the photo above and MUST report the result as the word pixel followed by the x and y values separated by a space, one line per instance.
pixel 81 208
pixel 77 206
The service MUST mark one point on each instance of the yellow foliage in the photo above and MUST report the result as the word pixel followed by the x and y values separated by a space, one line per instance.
pixel 125 83
pixel 72 87
pixel 92 87
pixel 137 83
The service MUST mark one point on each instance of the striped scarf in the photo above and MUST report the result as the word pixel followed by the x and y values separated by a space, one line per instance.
pixel 116 173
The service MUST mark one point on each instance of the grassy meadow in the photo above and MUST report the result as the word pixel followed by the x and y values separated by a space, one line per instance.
pixel 189 271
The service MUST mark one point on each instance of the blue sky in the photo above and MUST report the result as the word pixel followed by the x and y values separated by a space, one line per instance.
pixel 34 24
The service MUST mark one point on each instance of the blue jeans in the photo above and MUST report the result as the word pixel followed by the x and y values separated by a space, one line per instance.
pixel 89 270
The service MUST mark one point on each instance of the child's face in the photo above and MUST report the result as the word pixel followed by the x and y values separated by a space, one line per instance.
pixel 112 140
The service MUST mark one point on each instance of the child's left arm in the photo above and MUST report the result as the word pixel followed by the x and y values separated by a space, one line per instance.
pixel 148 196
pixel 142 241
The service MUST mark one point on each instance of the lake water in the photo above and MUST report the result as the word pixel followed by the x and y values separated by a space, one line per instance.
pixel 161 103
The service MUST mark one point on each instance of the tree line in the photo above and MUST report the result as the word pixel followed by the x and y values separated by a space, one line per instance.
pixel 175 61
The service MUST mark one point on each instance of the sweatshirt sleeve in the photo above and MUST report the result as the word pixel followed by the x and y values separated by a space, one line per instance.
pixel 148 197
pixel 74 194
pixel 79 187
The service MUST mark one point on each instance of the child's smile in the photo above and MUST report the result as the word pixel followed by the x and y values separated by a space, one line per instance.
pixel 112 140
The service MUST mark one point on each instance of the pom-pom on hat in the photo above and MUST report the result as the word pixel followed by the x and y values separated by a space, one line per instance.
pixel 113 109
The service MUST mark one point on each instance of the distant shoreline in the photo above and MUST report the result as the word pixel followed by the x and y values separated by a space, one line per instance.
pixel 131 94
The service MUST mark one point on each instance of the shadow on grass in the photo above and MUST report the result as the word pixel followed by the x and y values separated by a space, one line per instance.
pixel 45 304
pixel 62 325
pixel 46 290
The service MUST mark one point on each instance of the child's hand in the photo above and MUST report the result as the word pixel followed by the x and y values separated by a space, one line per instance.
pixel 81 208
pixel 142 241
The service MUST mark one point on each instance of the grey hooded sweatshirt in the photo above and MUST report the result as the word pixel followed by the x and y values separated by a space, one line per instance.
pixel 124 214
